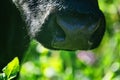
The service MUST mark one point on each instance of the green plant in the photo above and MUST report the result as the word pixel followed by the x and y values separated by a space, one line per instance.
pixel 11 70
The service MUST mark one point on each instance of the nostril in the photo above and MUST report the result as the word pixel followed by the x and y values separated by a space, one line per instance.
pixel 59 34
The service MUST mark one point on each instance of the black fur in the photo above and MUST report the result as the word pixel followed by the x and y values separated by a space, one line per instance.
pixel 14 38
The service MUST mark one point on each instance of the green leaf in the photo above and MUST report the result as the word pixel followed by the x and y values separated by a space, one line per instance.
pixel 2 76
pixel 12 69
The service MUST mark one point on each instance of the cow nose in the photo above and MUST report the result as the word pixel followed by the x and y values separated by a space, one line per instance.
pixel 72 31
pixel 72 25
pixel 77 31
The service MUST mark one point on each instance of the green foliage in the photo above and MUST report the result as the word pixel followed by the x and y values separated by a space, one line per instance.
pixel 11 70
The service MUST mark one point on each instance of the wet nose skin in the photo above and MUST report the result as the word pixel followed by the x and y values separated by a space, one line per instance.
pixel 78 29
pixel 72 31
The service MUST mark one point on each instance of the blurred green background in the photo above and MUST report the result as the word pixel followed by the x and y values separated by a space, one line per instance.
pixel 102 63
